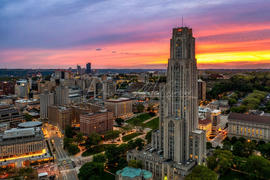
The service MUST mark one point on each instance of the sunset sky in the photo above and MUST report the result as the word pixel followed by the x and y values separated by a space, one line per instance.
pixel 132 33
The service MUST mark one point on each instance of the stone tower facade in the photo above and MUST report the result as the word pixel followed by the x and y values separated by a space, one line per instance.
pixel 179 109
pixel 178 145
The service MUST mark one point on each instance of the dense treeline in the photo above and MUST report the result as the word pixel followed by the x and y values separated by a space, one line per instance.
pixel 241 83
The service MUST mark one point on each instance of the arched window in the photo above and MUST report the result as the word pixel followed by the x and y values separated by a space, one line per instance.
pixel 178 48
pixel 171 139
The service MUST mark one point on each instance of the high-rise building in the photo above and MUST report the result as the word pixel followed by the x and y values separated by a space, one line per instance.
pixel 178 144
pixel 60 116
pixel 79 69
pixel 46 99
pixel 8 87
pixel 88 68
pixel 109 89
pixel 61 95
pixel 201 90
pixel 22 88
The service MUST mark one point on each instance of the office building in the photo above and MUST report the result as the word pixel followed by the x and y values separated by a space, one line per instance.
pixel 8 87
pixel 201 90
pixel 61 95
pixel 99 122
pixel 46 99
pixel 109 89
pixel 60 116
pixel 179 144
pixel 249 126
pixel 10 115
pixel 121 107
pixel 214 117
pixel 17 142
pixel 88 68
pixel 22 89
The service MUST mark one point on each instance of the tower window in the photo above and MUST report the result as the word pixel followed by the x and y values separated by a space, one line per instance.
pixel 178 49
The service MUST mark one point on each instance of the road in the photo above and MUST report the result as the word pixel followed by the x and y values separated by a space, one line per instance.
pixel 67 171
pixel 217 141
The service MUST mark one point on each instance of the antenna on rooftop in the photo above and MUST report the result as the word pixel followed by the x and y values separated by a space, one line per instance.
pixel 182 21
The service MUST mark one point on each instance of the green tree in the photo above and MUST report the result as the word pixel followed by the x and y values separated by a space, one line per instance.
pixel 148 137
pixel 258 167
pixel 239 109
pixel 239 149
pixel 69 132
pixel 140 107
pixel 91 171
pixel 221 161
pixel 234 140
pixel 265 150
pixel 116 157
pixel 227 145
pixel 119 121
pixel 135 164
pixel 111 135
pixel 67 142
pixel 73 149
pixel 139 143
pixel 201 173
pixel 27 117
pixel 211 162
pixel 92 140
pixel 99 158
pixel 209 145
pixel 79 138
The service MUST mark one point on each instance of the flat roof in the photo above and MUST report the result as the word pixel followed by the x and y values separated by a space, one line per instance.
pixel 14 133
pixel 249 118
pixel 30 124
pixel 118 100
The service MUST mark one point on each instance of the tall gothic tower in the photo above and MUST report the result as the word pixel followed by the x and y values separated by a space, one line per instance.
pixel 178 145
pixel 178 106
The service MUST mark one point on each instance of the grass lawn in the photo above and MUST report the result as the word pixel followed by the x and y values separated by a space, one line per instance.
pixel 139 119
pixel 95 150
pixel 153 124
pixel 130 136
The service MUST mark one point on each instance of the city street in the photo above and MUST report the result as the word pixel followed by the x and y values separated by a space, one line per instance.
pixel 217 141
pixel 67 171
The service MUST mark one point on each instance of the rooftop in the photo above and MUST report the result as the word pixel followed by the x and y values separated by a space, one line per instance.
pixel 118 100
pixel 14 133
pixel 249 118
pixel 30 124
pixel 133 172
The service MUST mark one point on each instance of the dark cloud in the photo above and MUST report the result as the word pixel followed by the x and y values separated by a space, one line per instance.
pixel 98 49
pixel 237 37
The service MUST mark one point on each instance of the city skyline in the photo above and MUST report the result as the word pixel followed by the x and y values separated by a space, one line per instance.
pixel 229 34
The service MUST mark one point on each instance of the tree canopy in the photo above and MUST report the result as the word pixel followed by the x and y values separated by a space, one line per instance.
pixel 202 173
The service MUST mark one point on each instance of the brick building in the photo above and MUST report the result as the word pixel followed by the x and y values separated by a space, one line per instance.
pixel 99 122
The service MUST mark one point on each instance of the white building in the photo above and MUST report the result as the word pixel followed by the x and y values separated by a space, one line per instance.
pixel 22 88
pixel 249 126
